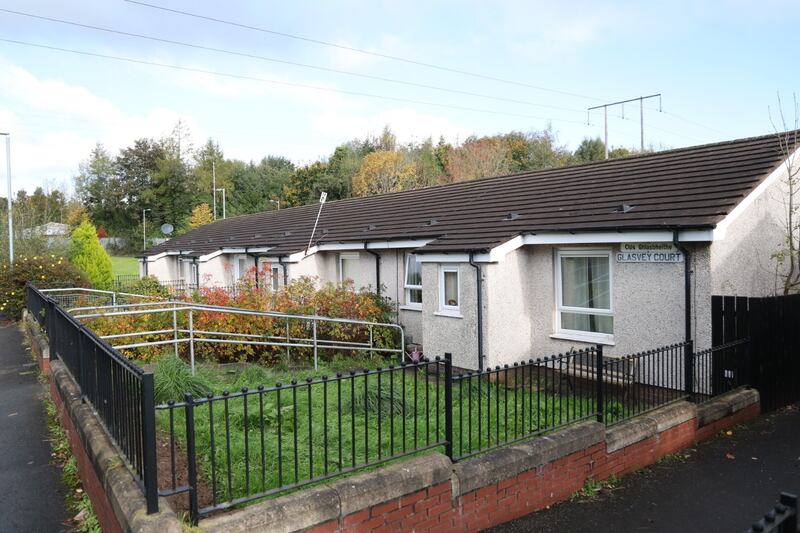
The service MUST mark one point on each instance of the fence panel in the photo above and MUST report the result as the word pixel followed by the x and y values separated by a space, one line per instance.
pixel 250 443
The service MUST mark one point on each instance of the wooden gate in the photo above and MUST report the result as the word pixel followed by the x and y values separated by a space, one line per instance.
pixel 773 326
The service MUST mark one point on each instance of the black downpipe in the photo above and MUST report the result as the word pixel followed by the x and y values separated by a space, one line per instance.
pixel 480 308
pixel 254 256
pixel 377 267
pixel 687 270
pixel 285 271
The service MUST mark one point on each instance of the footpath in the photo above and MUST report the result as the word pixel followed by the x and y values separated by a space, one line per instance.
pixel 33 494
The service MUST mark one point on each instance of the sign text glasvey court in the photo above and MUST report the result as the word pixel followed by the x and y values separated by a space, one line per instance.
pixel 648 252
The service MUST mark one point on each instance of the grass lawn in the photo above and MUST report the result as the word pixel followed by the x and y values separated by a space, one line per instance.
pixel 255 443
pixel 124 266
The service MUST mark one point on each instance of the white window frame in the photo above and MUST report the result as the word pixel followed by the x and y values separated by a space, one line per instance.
pixel 409 305
pixel 444 309
pixel 189 272
pixel 275 278
pixel 351 256
pixel 237 275
pixel 577 335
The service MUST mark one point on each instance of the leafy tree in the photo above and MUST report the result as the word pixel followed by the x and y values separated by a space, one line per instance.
pixel 88 254
pixel 304 183
pixel 589 150
pixel 384 171
pixel 255 185
pixel 535 150
pixel 478 158
pixel 201 215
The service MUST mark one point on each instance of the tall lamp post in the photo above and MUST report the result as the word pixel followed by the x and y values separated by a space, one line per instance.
pixel 223 201
pixel 144 228
pixel 10 217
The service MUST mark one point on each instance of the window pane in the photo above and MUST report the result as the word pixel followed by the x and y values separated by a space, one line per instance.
pixel 413 271
pixel 585 282
pixel 349 268
pixel 414 296
pixel 590 323
pixel 451 289
pixel 275 279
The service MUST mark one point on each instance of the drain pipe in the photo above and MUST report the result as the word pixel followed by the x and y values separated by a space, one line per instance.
pixel 686 282
pixel 255 257
pixel 377 267
pixel 480 308
pixel 285 271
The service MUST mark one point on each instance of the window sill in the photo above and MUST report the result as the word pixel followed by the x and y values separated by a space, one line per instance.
pixel 411 308
pixel 605 340
pixel 449 314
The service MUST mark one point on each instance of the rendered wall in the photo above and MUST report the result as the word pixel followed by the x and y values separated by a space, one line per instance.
pixel 741 263
pixel 647 298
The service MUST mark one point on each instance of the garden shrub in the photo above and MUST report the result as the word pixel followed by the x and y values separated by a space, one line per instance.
pixel 173 378
pixel 44 271
pixel 302 296
pixel 88 254
pixel 148 285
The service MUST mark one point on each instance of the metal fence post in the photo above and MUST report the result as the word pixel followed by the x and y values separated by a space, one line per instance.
pixel 599 376
pixel 150 465
pixel 175 329
pixel 314 327
pixel 448 405
pixel 688 368
pixel 191 340
pixel 191 457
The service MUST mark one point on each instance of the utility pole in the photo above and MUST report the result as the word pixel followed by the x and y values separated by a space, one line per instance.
pixel 214 185
pixel 144 228
pixel 10 215
pixel 223 201
pixel 622 103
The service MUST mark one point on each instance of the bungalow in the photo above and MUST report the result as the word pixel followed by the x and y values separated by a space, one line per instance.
pixel 624 252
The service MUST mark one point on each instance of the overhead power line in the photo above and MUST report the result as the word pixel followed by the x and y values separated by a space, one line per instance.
pixel 288 62
pixel 282 83
pixel 364 51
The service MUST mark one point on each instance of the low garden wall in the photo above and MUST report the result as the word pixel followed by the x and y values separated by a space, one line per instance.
pixel 116 497
pixel 426 493
pixel 429 493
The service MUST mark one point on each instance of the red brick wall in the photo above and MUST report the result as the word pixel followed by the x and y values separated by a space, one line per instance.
pixel 434 510
pixel 91 483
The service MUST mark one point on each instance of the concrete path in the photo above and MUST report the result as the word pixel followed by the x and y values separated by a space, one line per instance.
pixel 31 491
pixel 724 484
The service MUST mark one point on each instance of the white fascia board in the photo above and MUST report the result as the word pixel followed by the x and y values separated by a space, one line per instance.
pixel 154 258
pixel 780 172
pixel 499 252
pixel 612 237
pixel 212 255
pixel 373 245
pixel 459 257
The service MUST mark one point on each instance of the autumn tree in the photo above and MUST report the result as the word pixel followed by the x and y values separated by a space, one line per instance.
pixel 384 171
pixel 201 215
pixel 478 158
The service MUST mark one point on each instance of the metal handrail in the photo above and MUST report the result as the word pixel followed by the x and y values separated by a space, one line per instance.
pixel 202 336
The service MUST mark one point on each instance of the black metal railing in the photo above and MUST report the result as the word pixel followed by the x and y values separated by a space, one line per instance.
pixel 250 443
pixel 506 404
pixel 119 391
pixel 782 518
pixel 255 442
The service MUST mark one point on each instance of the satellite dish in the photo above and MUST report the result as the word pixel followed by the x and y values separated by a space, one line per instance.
pixel 166 229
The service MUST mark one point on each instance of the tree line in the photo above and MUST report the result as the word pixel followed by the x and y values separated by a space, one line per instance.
pixel 172 179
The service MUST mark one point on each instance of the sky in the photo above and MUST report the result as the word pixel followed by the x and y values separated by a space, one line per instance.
pixel 528 65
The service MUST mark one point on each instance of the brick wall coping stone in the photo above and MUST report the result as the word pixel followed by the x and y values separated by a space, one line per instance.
pixel 307 508
pixel 725 405
pixel 121 488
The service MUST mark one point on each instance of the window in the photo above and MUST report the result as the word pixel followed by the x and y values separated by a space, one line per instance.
pixel 413 281
pixel 348 266
pixel 583 294
pixel 275 282
pixel 239 267
pixel 189 272
pixel 449 290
